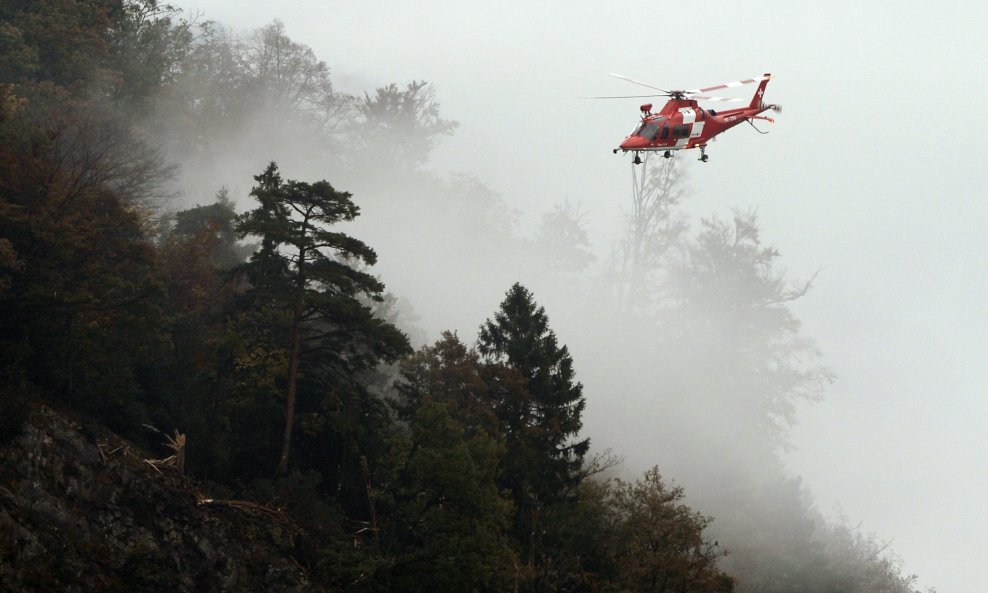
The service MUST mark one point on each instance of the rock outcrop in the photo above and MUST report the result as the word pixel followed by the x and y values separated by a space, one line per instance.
pixel 82 510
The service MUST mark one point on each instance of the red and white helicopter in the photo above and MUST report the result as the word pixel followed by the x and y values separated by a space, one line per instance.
pixel 682 124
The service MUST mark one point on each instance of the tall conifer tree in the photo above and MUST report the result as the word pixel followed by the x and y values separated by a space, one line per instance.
pixel 304 268
pixel 519 336
pixel 539 415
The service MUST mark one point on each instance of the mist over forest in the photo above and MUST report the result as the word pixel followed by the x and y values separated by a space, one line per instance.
pixel 200 233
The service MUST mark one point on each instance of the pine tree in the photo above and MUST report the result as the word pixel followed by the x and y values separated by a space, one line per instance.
pixel 306 270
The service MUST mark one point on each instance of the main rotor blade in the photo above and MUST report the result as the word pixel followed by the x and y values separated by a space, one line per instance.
pixel 624 97
pixel 724 99
pixel 638 82
pixel 728 85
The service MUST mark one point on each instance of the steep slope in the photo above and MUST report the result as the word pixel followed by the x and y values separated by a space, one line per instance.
pixel 81 510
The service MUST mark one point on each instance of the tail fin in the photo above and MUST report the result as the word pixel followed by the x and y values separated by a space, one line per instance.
pixel 756 101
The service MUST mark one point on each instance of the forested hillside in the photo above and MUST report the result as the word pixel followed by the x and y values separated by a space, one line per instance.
pixel 190 222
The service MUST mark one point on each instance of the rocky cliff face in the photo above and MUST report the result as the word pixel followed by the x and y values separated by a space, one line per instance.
pixel 81 510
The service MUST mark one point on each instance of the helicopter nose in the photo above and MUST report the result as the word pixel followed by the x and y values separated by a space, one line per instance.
pixel 634 143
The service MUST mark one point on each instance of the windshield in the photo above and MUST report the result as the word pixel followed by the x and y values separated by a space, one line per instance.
pixel 649 129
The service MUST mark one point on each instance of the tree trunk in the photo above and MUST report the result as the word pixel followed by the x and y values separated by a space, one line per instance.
pixel 293 357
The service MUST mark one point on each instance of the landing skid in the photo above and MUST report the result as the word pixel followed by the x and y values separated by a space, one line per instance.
pixel 668 155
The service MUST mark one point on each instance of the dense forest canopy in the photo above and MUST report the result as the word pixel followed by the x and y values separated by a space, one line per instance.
pixel 266 337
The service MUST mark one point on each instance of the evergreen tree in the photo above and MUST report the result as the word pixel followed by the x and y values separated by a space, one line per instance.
pixel 519 337
pixel 304 269
pixel 539 415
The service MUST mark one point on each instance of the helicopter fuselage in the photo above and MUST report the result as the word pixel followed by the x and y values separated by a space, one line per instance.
pixel 682 124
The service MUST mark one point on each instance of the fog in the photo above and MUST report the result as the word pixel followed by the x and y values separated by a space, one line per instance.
pixel 867 183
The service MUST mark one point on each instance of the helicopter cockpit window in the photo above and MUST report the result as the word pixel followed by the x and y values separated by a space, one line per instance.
pixel 650 130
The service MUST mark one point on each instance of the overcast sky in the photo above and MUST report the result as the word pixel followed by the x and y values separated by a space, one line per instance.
pixel 873 175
